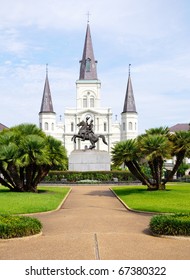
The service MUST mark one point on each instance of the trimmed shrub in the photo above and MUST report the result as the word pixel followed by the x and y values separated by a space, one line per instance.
pixel 175 224
pixel 18 226
pixel 101 176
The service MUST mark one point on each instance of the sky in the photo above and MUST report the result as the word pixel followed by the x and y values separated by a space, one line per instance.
pixel 151 35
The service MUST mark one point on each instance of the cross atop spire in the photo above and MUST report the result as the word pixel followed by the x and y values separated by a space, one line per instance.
pixel 88 16
pixel 129 69
pixel 46 68
pixel 88 63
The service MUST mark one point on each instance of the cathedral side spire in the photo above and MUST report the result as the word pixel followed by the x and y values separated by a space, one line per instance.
pixel 46 105
pixel 88 63
pixel 129 103
pixel 129 116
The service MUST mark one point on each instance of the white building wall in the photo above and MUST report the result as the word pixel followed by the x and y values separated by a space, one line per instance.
pixel 103 124
pixel 86 91
pixel 129 125
pixel 47 122
pixel 102 120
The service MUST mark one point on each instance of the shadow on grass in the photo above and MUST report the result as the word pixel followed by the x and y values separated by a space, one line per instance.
pixel 7 190
pixel 128 191
pixel 131 190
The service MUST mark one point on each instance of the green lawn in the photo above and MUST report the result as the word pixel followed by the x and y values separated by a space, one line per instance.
pixel 48 198
pixel 175 199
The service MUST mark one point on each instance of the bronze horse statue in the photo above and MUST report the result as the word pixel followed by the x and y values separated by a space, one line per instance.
pixel 86 133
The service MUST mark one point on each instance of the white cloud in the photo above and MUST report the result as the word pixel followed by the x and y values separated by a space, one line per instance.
pixel 10 41
pixel 134 16
pixel 23 87
pixel 151 35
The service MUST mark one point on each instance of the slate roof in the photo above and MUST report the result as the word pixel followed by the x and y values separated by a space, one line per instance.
pixel 47 105
pixel 129 103
pixel 88 63
pixel 180 126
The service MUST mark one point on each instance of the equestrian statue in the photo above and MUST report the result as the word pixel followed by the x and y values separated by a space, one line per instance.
pixel 86 133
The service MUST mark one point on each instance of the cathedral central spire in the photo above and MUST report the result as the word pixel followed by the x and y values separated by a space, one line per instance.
pixel 88 63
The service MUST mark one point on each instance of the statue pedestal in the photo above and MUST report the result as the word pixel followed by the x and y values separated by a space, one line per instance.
pixel 89 160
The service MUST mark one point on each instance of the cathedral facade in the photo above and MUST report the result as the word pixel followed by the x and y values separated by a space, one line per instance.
pixel 88 105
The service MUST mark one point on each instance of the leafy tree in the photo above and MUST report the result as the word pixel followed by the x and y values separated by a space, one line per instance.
pixel 152 149
pixel 182 168
pixel 26 156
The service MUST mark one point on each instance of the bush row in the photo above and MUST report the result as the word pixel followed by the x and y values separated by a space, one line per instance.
pixel 176 224
pixel 18 226
pixel 102 176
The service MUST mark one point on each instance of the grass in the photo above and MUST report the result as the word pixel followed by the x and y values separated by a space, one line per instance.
pixel 175 199
pixel 48 198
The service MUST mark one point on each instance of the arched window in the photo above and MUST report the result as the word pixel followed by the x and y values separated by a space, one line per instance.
pixel 97 124
pixel 91 101
pixel 105 126
pixel 84 102
pixel 52 126
pixel 72 127
pixel 123 126
pixel 130 126
pixel 46 126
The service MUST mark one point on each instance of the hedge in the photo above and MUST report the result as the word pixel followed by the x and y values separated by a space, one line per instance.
pixel 18 226
pixel 175 224
pixel 102 176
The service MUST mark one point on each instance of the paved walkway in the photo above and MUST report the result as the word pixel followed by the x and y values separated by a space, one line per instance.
pixel 93 224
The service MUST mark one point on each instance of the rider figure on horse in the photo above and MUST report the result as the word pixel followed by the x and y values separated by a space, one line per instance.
pixel 86 133
pixel 87 130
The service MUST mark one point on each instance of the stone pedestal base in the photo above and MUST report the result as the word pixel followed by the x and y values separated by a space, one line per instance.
pixel 89 160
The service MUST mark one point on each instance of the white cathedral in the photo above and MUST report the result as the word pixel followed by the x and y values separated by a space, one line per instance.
pixel 88 104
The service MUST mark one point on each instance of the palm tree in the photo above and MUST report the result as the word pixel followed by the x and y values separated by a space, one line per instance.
pixel 127 152
pixel 26 156
pixel 180 141
pixel 155 148
pixel 152 147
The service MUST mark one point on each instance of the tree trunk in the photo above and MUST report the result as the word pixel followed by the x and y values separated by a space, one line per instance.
pixel 158 165
pixel 42 172
pixel 6 181
pixel 137 172
pixel 179 159
pixel 18 183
